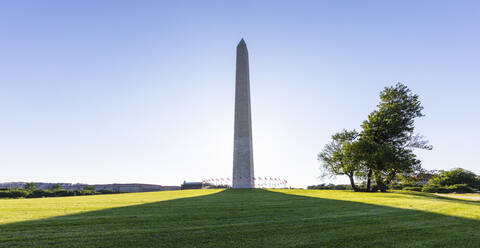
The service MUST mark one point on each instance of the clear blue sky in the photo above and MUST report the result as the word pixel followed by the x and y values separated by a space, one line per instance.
pixel 143 91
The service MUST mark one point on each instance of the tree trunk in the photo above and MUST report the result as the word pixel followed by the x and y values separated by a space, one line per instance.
pixel 354 187
pixel 369 179
pixel 381 185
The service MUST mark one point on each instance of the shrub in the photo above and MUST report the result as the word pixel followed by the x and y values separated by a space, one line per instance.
pixel 64 193
pixel 14 193
pixel 435 189
pixel 455 176
pixel 460 188
pixel 87 192
pixel 456 188
pixel 340 187
pixel 396 186
pixel 413 188
pixel 376 187
pixel 106 191
pixel 321 186
pixel 39 193
pixel 331 186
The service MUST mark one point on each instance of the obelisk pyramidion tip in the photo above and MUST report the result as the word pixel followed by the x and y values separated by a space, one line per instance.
pixel 242 43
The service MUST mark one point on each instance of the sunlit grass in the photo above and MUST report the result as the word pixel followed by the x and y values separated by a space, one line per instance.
pixel 14 210
pixel 242 218
pixel 400 199
pixel 467 196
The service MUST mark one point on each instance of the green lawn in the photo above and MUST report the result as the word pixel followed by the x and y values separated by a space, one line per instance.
pixel 242 218
pixel 471 196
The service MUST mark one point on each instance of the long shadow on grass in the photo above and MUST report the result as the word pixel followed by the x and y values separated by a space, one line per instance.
pixel 246 218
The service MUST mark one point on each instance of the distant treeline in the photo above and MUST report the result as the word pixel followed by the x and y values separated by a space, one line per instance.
pixel 456 188
pixel 457 180
pixel 39 193
pixel 331 186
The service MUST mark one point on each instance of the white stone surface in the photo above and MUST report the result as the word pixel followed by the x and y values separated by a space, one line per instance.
pixel 242 147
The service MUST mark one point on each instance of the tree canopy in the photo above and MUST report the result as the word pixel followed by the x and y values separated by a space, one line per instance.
pixel 336 157
pixel 456 176
pixel 384 146
pixel 30 186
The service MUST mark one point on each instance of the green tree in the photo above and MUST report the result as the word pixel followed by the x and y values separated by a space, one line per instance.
pixel 89 187
pixel 57 187
pixel 416 177
pixel 31 186
pixel 387 139
pixel 337 157
pixel 455 176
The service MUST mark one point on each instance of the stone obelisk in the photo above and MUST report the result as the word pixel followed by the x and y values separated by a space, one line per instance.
pixel 242 144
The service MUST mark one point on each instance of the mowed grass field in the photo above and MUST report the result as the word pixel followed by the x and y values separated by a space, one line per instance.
pixel 242 218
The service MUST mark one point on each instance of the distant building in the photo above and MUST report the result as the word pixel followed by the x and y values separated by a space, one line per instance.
pixel 127 188
pixel 12 185
pixel 133 187
pixel 21 185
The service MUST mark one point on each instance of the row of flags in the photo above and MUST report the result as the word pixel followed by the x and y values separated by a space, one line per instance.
pixel 259 178
pixel 266 179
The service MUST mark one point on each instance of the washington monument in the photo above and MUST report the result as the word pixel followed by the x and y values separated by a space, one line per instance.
pixel 242 143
